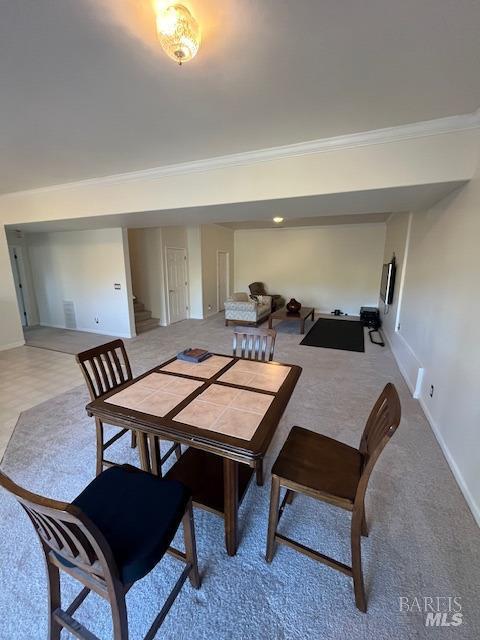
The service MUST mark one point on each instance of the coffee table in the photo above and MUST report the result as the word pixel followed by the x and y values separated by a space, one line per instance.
pixel 301 316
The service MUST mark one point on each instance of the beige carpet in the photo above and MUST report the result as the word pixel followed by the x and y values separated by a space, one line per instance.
pixel 423 540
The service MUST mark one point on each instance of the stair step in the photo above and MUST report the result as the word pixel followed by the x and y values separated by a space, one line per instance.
pixel 146 325
pixel 138 306
pixel 142 315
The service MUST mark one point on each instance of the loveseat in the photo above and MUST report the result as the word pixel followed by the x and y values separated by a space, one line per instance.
pixel 242 309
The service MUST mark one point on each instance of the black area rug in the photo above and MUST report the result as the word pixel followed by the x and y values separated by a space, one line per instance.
pixel 333 333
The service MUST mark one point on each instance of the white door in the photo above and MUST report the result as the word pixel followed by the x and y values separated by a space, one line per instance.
pixel 177 284
pixel 15 259
pixel 222 279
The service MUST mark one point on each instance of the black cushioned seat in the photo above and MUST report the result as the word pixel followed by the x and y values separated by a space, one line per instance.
pixel 138 513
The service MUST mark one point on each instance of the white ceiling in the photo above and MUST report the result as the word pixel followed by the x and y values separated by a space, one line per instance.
pixel 86 91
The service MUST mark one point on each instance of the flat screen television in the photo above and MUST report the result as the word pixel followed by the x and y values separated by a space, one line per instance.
pixel 388 282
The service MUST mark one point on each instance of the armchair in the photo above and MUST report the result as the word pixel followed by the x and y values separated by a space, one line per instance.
pixel 258 289
pixel 241 309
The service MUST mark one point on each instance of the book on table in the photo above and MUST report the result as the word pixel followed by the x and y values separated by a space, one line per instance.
pixel 194 355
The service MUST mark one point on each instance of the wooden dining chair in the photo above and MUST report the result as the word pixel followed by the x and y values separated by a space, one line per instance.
pixel 112 535
pixel 331 471
pixel 105 368
pixel 254 343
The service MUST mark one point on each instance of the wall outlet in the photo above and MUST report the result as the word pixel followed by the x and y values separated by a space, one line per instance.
pixel 209 307
pixel 432 389
pixel 96 320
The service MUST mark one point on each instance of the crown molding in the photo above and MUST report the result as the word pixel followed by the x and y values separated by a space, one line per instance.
pixel 387 135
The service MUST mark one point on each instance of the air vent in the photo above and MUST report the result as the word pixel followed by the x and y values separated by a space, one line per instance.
pixel 69 313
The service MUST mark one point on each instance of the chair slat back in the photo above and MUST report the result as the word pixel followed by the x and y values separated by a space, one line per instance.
pixel 381 425
pixel 65 530
pixel 254 343
pixel 105 367
pixel 382 421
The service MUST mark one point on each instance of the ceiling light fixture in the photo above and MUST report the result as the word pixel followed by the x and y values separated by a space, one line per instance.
pixel 178 31
pixel 278 219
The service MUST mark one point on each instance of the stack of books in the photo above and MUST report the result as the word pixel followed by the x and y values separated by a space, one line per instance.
pixel 193 355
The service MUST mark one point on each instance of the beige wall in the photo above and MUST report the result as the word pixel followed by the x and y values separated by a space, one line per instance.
pixel 393 163
pixel 147 261
pixel 82 267
pixel 427 159
pixel 215 238
pixel 328 268
pixel 147 269
pixel 395 243
pixel 11 334
pixel 439 328
pixel 194 243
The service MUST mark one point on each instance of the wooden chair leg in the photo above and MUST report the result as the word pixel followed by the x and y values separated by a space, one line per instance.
pixel 133 442
pixel 99 430
pixel 190 546
pixel 273 518
pixel 119 614
pixel 357 574
pixel 54 602
pixel 178 452
pixel 289 497
pixel 259 472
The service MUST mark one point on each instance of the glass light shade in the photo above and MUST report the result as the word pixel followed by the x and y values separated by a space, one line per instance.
pixel 178 32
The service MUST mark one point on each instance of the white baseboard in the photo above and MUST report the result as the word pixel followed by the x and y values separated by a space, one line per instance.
pixel 474 507
pixel 400 347
pixel 415 389
pixel 12 345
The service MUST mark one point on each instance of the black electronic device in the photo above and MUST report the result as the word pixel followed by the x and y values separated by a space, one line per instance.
pixel 370 316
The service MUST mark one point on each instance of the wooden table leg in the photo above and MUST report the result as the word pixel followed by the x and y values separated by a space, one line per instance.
pixel 302 327
pixel 269 322
pixel 154 446
pixel 143 449
pixel 230 489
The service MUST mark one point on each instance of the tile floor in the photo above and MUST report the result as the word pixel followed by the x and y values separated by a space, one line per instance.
pixel 39 374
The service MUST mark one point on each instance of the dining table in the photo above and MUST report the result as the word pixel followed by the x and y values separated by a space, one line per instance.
pixel 225 409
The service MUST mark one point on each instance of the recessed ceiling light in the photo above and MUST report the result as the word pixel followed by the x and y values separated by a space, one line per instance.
pixel 278 219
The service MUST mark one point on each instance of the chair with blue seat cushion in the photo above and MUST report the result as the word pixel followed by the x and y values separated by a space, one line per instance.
pixel 112 535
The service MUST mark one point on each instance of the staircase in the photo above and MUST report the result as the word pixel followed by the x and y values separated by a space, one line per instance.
pixel 143 317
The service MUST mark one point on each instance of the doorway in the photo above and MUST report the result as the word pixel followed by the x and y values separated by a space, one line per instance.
pixel 16 259
pixel 177 284
pixel 223 278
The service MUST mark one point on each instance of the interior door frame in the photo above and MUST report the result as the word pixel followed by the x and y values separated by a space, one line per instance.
pixel 227 253
pixel 167 287
pixel 21 289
